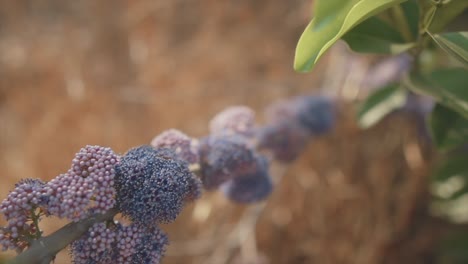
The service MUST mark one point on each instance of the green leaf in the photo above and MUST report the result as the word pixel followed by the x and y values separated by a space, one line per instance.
pixel 450 181
pixel 449 129
pixel 324 10
pixel 411 12
pixel 454 166
pixel 459 193
pixel 452 249
pixel 428 17
pixel 455 44
pixel 380 103
pixel 446 13
pixel 368 44
pixel 375 36
pixel 321 33
pixel 446 86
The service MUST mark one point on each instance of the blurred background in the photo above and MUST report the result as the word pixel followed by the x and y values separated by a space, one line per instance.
pixel 117 73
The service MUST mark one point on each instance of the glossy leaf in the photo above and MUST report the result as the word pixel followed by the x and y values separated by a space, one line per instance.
pixel 445 13
pixel 455 44
pixel 376 36
pixel 321 33
pixel 325 10
pixel 446 86
pixel 382 102
pixel 449 129
pixel 368 44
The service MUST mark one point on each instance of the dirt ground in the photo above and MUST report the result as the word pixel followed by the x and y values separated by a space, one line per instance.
pixel 117 73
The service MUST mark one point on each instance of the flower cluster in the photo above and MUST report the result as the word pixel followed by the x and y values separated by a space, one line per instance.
pixel 149 246
pixel 250 187
pixel 19 208
pixel 116 243
pixel 229 160
pixel 95 246
pixel 284 140
pixel 150 184
pixel 292 123
pixel 184 146
pixel 88 184
pixel 238 120
pixel 314 114
pixel 223 158
pixel 229 157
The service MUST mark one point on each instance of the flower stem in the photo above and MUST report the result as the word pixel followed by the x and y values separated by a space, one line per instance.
pixel 44 249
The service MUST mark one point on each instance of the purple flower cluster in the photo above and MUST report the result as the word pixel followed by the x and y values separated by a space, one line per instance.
pixel 95 246
pixel 292 123
pixel 18 208
pixel 284 140
pixel 88 184
pixel 314 114
pixel 152 185
pixel 115 243
pixel 150 246
pixel 184 146
pixel 229 161
pixel 250 187
pixel 238 120
pixel 223 158
pixel 228 157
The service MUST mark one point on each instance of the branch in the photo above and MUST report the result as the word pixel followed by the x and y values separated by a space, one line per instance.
pixel 43 250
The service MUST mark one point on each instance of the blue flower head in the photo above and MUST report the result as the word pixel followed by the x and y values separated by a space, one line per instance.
pixel 152 185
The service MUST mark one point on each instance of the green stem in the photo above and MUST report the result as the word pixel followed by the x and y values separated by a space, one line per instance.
pixel 423 37
pixel 44 249
pixel 35 219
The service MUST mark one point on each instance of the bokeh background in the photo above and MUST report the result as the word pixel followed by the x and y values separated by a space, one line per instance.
pixel 117 73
